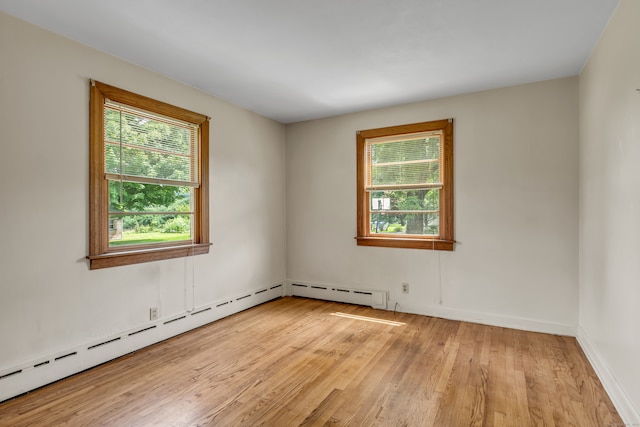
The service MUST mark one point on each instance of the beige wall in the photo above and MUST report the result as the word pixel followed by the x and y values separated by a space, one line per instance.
pixel 516 209
pixel 610 207
pixel 49 300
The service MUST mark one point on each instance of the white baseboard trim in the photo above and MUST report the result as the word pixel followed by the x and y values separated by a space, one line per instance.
pixel 500 320
pixel 491 319
pixel 46 369
pixel 628 412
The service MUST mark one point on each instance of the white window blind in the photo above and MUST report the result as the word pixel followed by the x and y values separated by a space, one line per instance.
pixel 404 162
pixel 149 148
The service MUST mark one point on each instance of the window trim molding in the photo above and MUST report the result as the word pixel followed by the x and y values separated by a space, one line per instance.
pixel 100 254
pixel 445 241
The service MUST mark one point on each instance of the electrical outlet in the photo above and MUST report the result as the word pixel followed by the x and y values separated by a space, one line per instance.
pixel 153 313
pixel 405 288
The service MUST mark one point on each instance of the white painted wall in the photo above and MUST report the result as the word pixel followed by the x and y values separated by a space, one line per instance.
pixel 49 300
pixel 610 208
pixel 516 209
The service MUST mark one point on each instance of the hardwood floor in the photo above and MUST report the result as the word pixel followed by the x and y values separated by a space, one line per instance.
pixel 294 362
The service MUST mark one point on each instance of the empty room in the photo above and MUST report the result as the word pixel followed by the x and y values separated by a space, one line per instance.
pixel 290 212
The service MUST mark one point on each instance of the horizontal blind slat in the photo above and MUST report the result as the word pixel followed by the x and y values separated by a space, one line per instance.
pixel 118 213
pixel 149 180
pixel 404 137
pixel 403 187
pixel 397 212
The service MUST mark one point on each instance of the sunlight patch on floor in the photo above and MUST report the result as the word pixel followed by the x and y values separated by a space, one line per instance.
pixel 368 319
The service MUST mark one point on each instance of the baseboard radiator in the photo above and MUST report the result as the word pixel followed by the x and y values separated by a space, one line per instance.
pixel 49 368
pixel 368 297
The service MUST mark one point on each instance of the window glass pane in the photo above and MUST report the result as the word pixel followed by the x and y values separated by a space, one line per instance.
pixel 150 224
pixel 140 229
pixel 405 224
pixel 142 197
pixel 405 212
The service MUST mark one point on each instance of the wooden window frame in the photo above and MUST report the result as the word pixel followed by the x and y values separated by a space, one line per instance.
pixel 100 254
pixel 445 240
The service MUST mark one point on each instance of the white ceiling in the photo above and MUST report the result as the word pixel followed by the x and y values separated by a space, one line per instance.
pixel 294 60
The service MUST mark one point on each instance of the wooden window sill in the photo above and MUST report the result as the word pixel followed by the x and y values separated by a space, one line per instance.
pixel 136 256
pixel 409 243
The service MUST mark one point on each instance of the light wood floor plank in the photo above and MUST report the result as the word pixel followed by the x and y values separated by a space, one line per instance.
pixel 293 362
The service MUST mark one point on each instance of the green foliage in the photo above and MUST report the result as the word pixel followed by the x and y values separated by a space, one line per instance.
pixel 179 224
pixel 139 197
pixel 395 228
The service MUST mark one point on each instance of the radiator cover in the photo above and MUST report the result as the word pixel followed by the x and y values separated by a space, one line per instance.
pixel 368 297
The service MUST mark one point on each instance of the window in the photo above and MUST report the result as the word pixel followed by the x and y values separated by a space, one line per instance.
pixel 148 179
pixel 405 186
